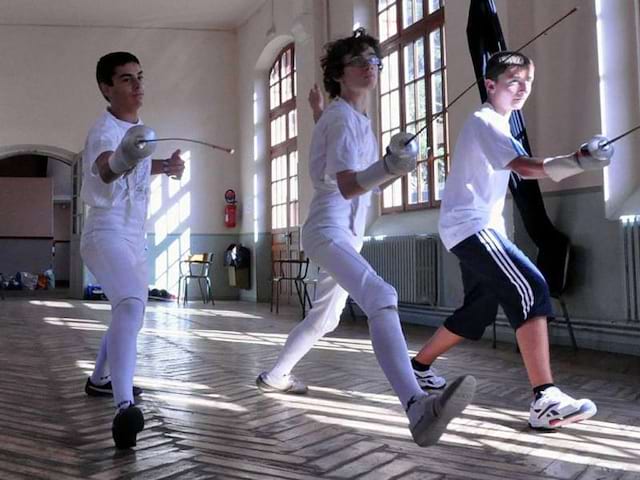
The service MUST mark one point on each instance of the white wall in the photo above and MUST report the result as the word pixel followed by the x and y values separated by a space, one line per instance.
pixel 49 96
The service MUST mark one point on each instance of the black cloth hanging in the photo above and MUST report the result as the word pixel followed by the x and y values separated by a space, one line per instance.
pixel 485 37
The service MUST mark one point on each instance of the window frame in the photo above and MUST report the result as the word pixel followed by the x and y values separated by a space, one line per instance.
pixel 403 37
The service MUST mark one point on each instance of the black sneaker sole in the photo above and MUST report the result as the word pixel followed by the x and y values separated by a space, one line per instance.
pixel 106 391
pixel 126 426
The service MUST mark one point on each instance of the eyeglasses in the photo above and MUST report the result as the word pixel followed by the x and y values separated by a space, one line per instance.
pixel 362 62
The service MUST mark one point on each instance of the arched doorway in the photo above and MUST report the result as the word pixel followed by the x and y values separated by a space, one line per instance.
pixel 36 232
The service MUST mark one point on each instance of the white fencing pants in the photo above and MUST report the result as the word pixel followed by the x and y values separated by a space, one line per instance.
pixel 345 272
pixel 119 264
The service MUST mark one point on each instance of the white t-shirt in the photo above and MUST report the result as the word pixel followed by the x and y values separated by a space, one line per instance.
pixel 124 201
pixel 342 140
pixel 476 187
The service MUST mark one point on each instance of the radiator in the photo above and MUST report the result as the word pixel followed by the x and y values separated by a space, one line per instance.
pixel 631 248
pixel 409 263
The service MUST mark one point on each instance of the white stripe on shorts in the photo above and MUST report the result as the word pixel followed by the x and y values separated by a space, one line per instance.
pixel 496 250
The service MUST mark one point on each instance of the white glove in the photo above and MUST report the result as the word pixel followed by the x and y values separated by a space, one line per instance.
pixel 399 160
pixel 593 155
pixel 401 157
pixel 132 149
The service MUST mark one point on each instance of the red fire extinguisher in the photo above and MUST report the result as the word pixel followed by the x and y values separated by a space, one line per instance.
pixel 230 208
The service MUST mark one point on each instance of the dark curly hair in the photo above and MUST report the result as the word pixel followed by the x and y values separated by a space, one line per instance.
pixel 333 61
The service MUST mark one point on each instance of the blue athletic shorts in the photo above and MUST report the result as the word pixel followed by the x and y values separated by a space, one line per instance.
pixel 495 272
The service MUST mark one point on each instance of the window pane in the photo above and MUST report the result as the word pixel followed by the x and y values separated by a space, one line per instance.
pixel 438 134
pixel 293 214
pixel 295 83
pixel 409 70
pixel 434 5
pixel 274 96
pixel 397 192
pixel 392 21
pixel 394 102
pixel 293 189
pixel 422 142
pixel 293 124
pixel 293 163
pixel 393 70
pixel 384 76
pixel 282 128
pixel 382 25
pixel 436 92
pixel 410 103
pixel 407 13
pixel 439 165
pixel 392 195
pixel 385 140
pixel 274 75
pixel 287 90
pixel 273 132
pixel 411 12
pixel 382 4
pixel 423 172
pixel 421 101
pixel 384 112
pixel 282 167
pixel 419 52
pixel 413 187
pixel 286 63
pixel 435 45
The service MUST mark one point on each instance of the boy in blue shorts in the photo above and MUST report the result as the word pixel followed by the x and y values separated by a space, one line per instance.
pixel 494 271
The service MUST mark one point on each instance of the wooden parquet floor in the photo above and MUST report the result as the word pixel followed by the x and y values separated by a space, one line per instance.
pixel 205 419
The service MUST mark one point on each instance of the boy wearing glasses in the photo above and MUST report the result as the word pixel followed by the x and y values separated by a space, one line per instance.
pixel 344 168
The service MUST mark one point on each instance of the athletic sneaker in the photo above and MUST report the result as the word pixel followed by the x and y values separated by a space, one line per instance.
pixel 429 379
pixel 127 423
pixel 555 409
pixel 105 390
pixel 430 414
pixel 293 386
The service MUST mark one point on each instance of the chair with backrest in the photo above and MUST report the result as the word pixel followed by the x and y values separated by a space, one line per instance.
pixel 292 271
pixel 196 266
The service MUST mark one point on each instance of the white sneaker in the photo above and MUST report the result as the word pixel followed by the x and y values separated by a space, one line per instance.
pixel 430 414
pixel 555 409
pixel 429 379
pixel 292 385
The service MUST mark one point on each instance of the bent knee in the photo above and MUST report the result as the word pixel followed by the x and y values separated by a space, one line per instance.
pixel 378 295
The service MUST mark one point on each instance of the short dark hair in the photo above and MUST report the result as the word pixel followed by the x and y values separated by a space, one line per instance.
pixel 108 63
pixel 332 62
pixel 500 62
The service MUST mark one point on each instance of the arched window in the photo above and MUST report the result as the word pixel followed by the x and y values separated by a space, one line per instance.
pixel 412 93
pixel 283 148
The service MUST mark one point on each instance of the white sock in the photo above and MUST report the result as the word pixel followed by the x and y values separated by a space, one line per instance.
pixel 123 406
pixel 126 322
pixel 100 370
pixel 391 351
